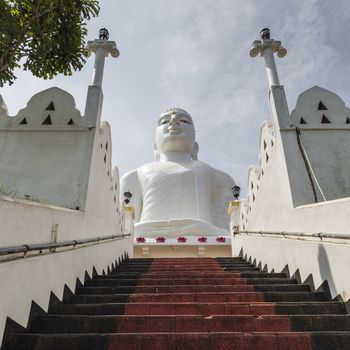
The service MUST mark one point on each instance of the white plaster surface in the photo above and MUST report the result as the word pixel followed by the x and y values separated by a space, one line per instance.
pixel 46 163
pixel 280 196
pixel 278 188
pixel 54 163
pixel 24 222
pixel 325 261
pixel 307 107
pixel 33 278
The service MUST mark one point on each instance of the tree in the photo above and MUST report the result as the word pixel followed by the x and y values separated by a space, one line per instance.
pixel 46 37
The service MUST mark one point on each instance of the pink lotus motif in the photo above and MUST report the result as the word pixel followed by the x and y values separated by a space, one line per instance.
pixel 181 239
pixel 202 239
pixel 160 239
pixel 220 239
pixel 140 239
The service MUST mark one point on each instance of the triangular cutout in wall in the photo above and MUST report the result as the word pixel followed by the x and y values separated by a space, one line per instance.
pixel 322 107
pixel 47 121
pixel 325 120
pixel 50 107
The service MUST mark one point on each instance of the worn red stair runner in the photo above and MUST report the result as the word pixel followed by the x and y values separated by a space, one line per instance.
pixel 190 303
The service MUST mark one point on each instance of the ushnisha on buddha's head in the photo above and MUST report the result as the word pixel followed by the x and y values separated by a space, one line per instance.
pixel 175 133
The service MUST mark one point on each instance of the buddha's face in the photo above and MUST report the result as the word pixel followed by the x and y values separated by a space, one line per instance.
pixel 175 132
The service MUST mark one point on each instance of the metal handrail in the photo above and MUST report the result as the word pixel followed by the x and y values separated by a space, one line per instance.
pixel 25 248
pixel 319 235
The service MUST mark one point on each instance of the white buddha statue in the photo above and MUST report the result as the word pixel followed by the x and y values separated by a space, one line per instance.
pixel 177 194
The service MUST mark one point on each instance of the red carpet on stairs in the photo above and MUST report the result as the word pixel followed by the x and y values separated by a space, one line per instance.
pixel 191 303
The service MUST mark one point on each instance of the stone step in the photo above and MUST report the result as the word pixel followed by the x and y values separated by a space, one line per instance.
pixel 310 308
pixel 220 274
pixel 204 309
pixel 166 341
pixel 160 324
pixel 182 263
pixel 168 270
pixel 320 322
pixel 294 296
pixel 164 281
pixel 103 289
pixel 185 324
pixel 261 274
pixel 200 297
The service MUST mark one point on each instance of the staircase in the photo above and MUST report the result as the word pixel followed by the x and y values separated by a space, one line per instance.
pixel 190 303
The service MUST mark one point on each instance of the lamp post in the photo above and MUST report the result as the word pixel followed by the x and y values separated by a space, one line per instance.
pixel 234 211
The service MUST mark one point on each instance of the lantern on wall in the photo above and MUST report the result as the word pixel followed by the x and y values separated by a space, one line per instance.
pixel 236 190
pixel 127 197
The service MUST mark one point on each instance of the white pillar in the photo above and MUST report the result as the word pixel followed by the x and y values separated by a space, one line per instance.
pixel 270 66
pixel 93 107
pixel 101 48
pixel 97 74
pixel 266 48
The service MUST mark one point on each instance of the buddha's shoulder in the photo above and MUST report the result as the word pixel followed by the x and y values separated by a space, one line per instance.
pixel 142 169
pixel 218 174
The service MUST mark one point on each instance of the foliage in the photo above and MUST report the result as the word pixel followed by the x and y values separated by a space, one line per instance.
pixel 6 191
pixel 45 36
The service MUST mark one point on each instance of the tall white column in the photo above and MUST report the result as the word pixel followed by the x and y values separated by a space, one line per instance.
pixel 266 48
pixel 102 48
pixel 99 64
pixel 270 66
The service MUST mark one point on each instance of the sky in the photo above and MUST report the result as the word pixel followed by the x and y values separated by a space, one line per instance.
pixel 194 54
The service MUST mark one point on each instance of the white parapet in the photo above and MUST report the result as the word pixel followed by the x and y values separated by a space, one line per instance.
pixel 57 184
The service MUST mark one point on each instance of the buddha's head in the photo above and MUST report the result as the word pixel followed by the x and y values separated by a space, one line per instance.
pixel 175 132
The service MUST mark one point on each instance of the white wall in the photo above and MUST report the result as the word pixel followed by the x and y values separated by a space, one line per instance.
pixel 280 196
pixel 56 164
pixel 46 163
pixel 325 261
pixel 276 185
pixel 33 278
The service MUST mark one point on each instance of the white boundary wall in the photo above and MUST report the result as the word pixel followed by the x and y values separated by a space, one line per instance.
pixel 87 173
pixel 34 278
pixel 325 261
pixel 280 195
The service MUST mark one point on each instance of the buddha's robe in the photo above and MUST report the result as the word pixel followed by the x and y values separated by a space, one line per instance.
pixel 172 199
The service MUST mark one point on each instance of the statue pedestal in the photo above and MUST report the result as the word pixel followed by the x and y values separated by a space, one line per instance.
pixel 191 248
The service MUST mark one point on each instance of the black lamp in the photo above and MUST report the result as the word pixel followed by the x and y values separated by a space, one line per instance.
pixel 236 190
pixel 127 197
pixel 265 33
pixel 104 34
